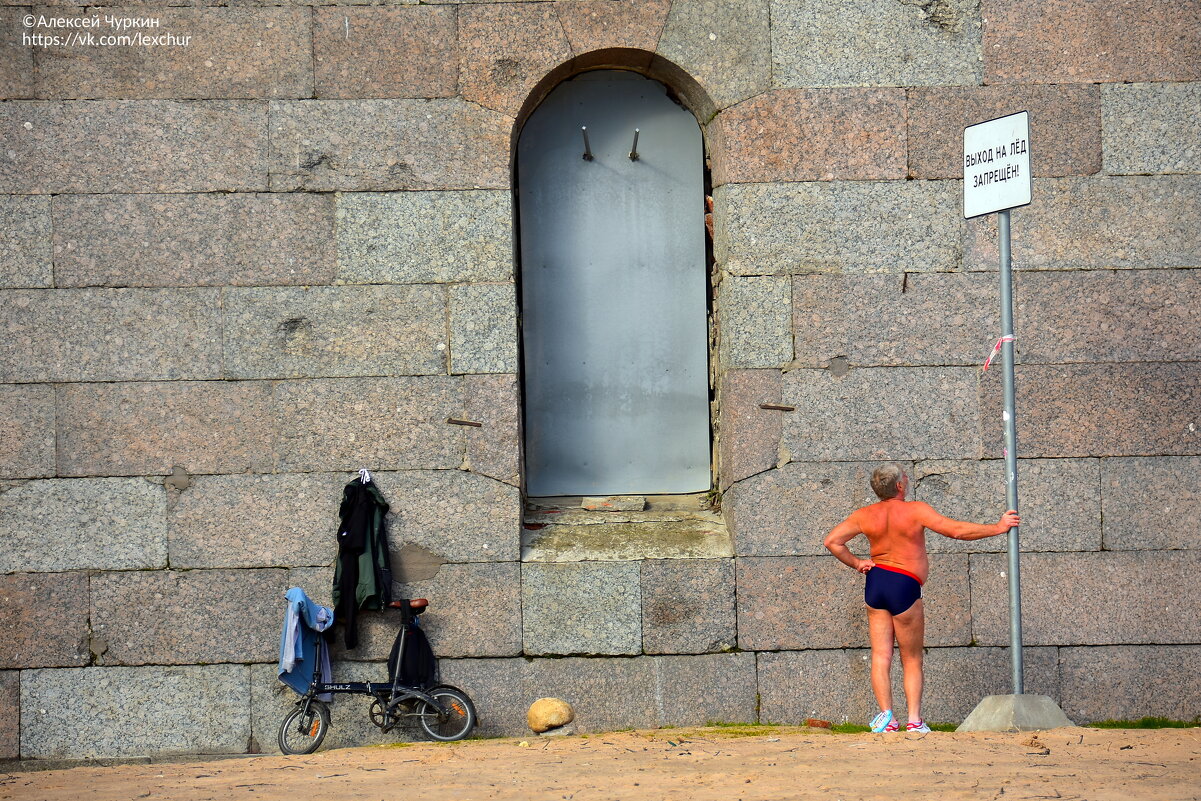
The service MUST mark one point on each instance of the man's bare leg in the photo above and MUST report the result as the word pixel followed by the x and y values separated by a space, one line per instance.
pixel 910 627
pixel 880 629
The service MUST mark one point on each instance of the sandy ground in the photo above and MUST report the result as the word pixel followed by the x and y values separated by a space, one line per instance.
pixel 686 764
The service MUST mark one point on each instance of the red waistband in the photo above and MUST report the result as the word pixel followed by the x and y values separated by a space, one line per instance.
pixel 902 571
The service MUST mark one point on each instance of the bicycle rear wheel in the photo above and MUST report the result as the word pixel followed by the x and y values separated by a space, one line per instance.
pixel 455 721
pixel 302 732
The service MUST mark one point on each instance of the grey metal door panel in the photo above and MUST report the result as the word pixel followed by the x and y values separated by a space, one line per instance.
pixel 613 292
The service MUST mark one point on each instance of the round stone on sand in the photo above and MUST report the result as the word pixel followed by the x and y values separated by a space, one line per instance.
pixel 549 713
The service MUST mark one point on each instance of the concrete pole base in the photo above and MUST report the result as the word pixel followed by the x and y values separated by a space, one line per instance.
pixel 1015 713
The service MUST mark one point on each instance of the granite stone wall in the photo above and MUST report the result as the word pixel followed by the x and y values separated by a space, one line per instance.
pixel 234 272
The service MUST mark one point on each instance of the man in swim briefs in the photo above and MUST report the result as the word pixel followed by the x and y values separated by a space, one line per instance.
pixel 896 571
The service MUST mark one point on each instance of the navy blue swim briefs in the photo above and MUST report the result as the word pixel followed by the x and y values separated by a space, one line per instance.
pixel 891 588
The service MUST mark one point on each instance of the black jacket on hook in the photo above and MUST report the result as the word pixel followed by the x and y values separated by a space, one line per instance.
pixel 363 571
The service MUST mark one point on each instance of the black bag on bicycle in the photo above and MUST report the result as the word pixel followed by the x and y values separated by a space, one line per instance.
pixel 419 668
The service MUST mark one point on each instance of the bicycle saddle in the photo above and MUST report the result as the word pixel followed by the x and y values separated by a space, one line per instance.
pixel 418 605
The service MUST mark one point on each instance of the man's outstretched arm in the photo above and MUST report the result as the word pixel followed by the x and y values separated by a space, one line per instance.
pixel 961 529
pixel 836 542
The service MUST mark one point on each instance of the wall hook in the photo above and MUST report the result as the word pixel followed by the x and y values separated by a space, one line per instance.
pixel 634 149
pixel 587 147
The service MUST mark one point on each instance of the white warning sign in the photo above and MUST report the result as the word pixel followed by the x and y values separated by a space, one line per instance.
pixel 996 165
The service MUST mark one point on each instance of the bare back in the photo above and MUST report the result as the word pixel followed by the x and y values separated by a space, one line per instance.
pixel 897 535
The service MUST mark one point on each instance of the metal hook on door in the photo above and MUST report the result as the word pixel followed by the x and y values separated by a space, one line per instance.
pixel 587 147
pixel 634 148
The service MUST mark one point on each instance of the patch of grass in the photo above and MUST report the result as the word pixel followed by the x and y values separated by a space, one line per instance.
pixel 943 726
pixel 850 728
pixel 1146 723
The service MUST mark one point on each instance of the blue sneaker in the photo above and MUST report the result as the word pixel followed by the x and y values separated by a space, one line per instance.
pixel 883 721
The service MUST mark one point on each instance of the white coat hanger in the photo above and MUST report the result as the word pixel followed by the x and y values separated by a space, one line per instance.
pixel 365 475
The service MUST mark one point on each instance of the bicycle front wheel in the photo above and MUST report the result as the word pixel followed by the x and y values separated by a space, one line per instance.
pixel 302 731
pixel 456 719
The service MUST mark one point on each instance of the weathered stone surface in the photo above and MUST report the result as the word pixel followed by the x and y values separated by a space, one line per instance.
pixel 1062 41
pixel 1064 120
pixel 317 332
pixel 385 52
pixel 749 441
pixel 601 24
pixel 1105 598
pixel 483 328
pixel 1148 222
pixel 1151 128
pixel 875 44
pixel 71 713
pixel 1104 315
pixel 1098 410
pixel 549 713
pixel 147 428
pixel 168 617
pixel 706 689
pixel 505 50
pixel 494 448
pixel 581 608
pixel 687 606
pixel 789 511
pixel 811 135
pixel 193 239
pixel 724 46
pixel 756 321
pixel 110 334
pixel 10 714
pixel 497 687
pixel 46 618
pixel 216 52
pixel 96 146
pixel 83 524
pixel 893 320
pixel 606 694
pixel 422 237
pixel 16 69
pixel 817 602
pixel 835 685
pixel 383 423
pixel 1060 502
pixel 377 145
pixel 25 259
pixel 882 413
pixel 26 431
pixel 1127 682
pixel 676 536
pixel 837 227
pixel 1150 503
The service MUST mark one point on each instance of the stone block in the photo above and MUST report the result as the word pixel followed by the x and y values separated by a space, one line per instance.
pixel 1060 502
pixel 793 602
pixel 1150 503
pixel 10 714
pixel 91 146
pixel 756 321
pixel 1151 128
pixel 1098 410
pixel 168 617
pixel 581 608
pixel 17 76
pixel 216 52
pixel 602 24
pixel 83 524
pixel 1127 682
pixel 1061 41
pixel 875 44
pixel 46 619
pixel 483 328
pixel 25 259
pixel 1107 316
pixel 606 694
pixel 193 239
pixel 26 431
pixel 1064 120
pixel 148 428
pixel 72 713
pixel 281 520
pixel 749 440
pixel 318 332
pixel 894 320
pixel 424 237
pixel 1105 598
pixel 789 511
pixel 1098 223
pixel 494 449
pixel 385 52
pixel 380 423
pixel 811 135
pixel 505 49
pixel 706 689
pixel 834 227
pixel 880 413
pixel 835 685
pixel 378 145
pixel 110 334
pixel 724 46
pixel 498 689
pixel 687 606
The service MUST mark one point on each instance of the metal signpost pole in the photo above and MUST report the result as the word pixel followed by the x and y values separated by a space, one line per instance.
pixel 1011 456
